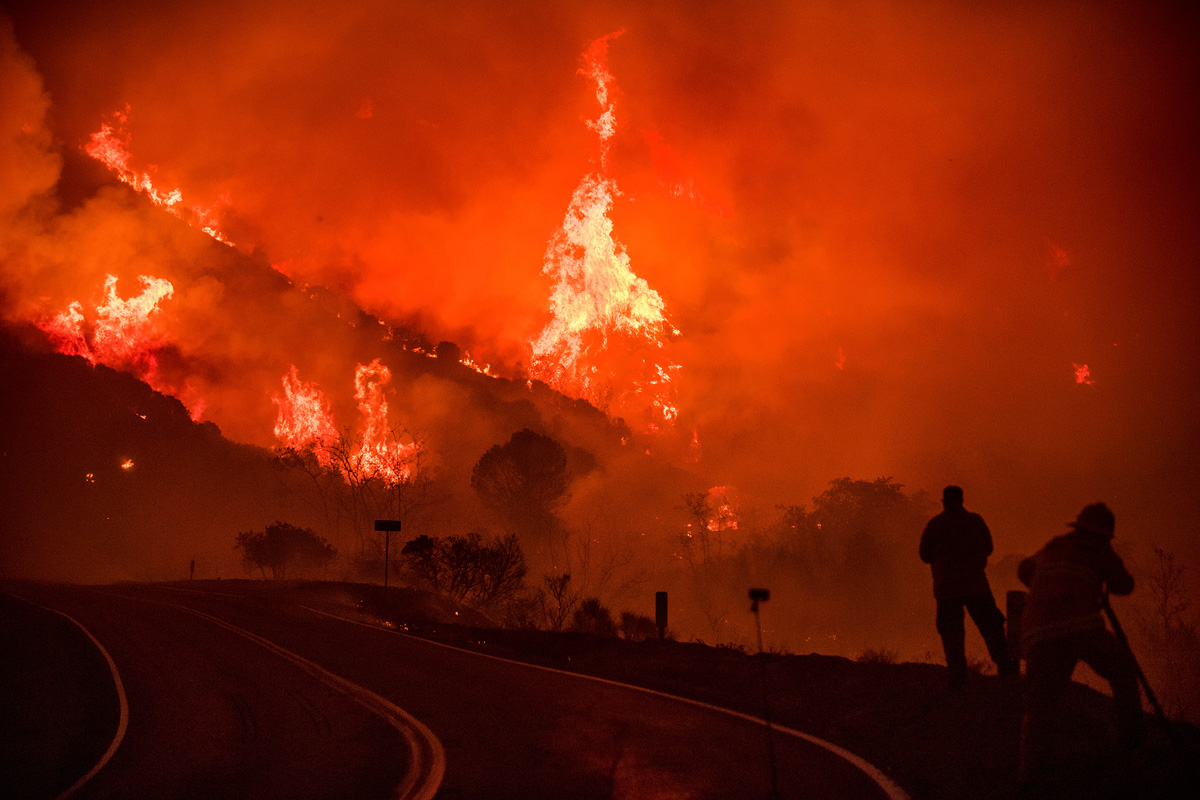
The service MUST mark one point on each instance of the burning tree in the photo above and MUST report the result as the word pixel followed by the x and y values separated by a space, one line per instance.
pixel 371 473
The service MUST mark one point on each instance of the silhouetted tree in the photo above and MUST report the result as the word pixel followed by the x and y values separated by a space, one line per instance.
pixel 637 627
pixel 556 600
pixel 448 351
pixel 524 482
pixel 1170 634
pixel 481 574
pixel 593 617
pixel 282 547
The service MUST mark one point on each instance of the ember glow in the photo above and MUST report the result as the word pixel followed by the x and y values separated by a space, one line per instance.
pixel 609 327
pixel 724 513
pixel 1082 374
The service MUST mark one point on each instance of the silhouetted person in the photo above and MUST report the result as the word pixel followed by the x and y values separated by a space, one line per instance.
pixel 1062 625
pixel 956 544
pixel 192 570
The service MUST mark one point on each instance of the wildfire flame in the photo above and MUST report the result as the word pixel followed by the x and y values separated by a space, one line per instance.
pixel 304 421
pixel 381 454
pixel 470 363
pixel 724 516
pixel 122 334
pixel 110 146
pixel 602 311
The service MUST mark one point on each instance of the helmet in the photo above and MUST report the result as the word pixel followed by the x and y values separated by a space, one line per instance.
pixel 1096 518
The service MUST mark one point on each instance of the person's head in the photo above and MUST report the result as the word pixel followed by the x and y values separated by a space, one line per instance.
pixel 1095 519
pixel 952 497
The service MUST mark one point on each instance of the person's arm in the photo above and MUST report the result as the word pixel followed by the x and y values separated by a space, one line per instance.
pixel 928 543
pixel 985 537
pixel 1117 578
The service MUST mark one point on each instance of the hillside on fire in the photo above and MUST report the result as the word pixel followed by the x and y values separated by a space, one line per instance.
pixel 542 309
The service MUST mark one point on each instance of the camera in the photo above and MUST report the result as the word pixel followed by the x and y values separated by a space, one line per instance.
pixel 760 594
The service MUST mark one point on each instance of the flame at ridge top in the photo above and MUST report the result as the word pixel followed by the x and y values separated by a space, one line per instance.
pixel 607 322
pixel 124 334
pixel 110 146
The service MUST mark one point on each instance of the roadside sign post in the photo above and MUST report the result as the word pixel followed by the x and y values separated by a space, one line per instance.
pixel 387 526
pixel 660 614
pixel 761 596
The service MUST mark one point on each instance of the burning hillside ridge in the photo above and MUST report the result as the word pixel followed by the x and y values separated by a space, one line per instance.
pixel 892 241
pixel 603 343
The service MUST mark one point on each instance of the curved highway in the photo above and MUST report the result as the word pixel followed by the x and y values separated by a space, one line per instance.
pixel 215 713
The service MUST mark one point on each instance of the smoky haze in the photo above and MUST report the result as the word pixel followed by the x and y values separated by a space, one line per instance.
pixel 889 234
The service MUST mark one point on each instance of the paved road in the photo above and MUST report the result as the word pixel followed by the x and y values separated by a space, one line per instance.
pixel 214 714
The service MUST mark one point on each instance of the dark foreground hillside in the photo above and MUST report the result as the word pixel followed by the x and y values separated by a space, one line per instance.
pixel 937 743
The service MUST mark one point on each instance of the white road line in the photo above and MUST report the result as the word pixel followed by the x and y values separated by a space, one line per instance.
pixel 889 787
pixel 429 759
pixel 123 702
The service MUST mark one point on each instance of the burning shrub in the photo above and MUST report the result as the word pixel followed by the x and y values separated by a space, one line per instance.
pixel 281 547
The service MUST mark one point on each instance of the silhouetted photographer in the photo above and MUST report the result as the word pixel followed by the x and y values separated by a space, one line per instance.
pixel 1062 625
pixel 956 544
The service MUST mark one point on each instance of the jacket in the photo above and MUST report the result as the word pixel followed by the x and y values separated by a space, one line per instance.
pixel 1067 579
pixel 956 544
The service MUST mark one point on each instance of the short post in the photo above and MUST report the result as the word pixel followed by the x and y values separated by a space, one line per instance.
pixel 1014 607
pixel 757 596
pixel 660 614
pixel 387 526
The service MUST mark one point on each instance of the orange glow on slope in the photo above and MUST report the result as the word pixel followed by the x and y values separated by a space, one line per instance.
pixel 470 363
pixel 305 421
pixel 605 318
pixel 1082 374
pixel 110 146
pixel 724 516
pixel 381 454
